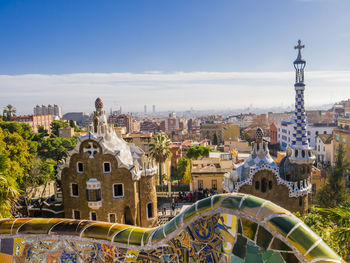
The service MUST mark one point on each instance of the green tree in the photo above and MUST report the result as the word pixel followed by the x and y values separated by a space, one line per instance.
pixel 8 185
pixel 160 150
pixel 9 111
pixel 56 148
pixel 333 226
pixel 55 125
pixel 17 152
pixel 187 175
pixel 24 130
pixel 215 139
pixel 181 168
pixel 198 151
pixel 335 192
pixel 40 174
pixel 73 124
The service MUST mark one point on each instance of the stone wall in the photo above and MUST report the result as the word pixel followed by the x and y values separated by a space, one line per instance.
pixel 278 194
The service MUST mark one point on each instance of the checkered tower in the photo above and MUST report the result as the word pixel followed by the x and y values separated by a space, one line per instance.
pixel 300 153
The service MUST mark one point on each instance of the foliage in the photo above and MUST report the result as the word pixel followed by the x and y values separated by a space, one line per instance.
pixel 56 148
pixel 333 226
pixel 41 173
pixel 335 192
pixel 41 134
pixel 55 125
pixel 24 130
pixel 198 151
pixel 187 175
pixel 9 111
pixel 8 186
pixel 17 152
pixel 160 150
pixel 181 169
pixel 74 125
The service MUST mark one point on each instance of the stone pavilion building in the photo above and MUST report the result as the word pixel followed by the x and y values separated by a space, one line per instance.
pixel 288 182
pixel 106 179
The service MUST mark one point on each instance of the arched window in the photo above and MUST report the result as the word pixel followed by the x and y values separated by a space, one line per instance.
pixel 296 153
pixel 303 153
pixel 300 201
pixel 263 185
pixel 257 185
pixel 150 210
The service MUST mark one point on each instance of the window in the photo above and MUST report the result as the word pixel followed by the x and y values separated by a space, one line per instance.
pixel 257 185
pixel 270 185
pixel 200 184
pixel 300 201
pixel 76 214
pixel 118 190
pixel 80 167
pixel 112 218
pixel 106 167
pixel 344 140
pixel 74 190
pixel 93 195
pixel 337 138
pixel 316 133
pixel 93 216
pixel 325 132
pixel 150 210
pixel 263 185
pixel 214 184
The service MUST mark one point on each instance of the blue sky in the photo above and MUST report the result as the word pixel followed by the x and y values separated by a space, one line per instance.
pixel 55 39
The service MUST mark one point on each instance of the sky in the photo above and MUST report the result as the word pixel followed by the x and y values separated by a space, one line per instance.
pixel 176 54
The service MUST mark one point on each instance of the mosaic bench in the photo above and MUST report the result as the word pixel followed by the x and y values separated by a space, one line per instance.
pixel 222 228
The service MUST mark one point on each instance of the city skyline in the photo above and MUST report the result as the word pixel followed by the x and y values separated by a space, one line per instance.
pixel 199 90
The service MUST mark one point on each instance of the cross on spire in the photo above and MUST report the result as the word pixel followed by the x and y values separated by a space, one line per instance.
pixel 299 46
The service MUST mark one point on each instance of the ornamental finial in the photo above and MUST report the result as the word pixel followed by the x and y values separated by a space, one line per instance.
pixel 299 47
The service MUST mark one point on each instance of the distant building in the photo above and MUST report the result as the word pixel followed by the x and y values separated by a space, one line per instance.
pixel 154 108
pixel 35 121
pixel 285 133
pixel 54 110
pixel 279 117
pixel 341 135
pixel 148 126
pixel 208 173
pixel 223 132
pixel 145 109
pixel 122 120
pixel 66 132
pixel 106 179
pixel 81 118
pixel 324 148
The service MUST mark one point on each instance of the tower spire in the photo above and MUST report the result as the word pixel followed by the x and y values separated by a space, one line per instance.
pixel 301 151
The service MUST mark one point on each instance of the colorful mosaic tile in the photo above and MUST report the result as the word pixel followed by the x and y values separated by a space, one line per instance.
pixel 231 228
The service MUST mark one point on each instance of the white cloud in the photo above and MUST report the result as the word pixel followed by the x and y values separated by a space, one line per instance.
pixel 178 90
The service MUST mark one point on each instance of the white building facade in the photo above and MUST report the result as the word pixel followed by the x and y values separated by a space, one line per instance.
pixel 285 133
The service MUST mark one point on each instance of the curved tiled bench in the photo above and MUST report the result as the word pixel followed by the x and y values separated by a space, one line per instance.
pixel 222 228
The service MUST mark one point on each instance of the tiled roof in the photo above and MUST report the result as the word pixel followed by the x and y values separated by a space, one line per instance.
pixel 326 138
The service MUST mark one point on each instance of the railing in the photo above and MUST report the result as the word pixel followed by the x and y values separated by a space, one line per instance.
pixel 174 188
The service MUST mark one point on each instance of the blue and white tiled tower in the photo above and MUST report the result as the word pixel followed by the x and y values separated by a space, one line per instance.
pixel 301 152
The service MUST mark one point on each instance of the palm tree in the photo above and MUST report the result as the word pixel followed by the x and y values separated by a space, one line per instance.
pixel 340 216
pixel 9 111
pixel 160 150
